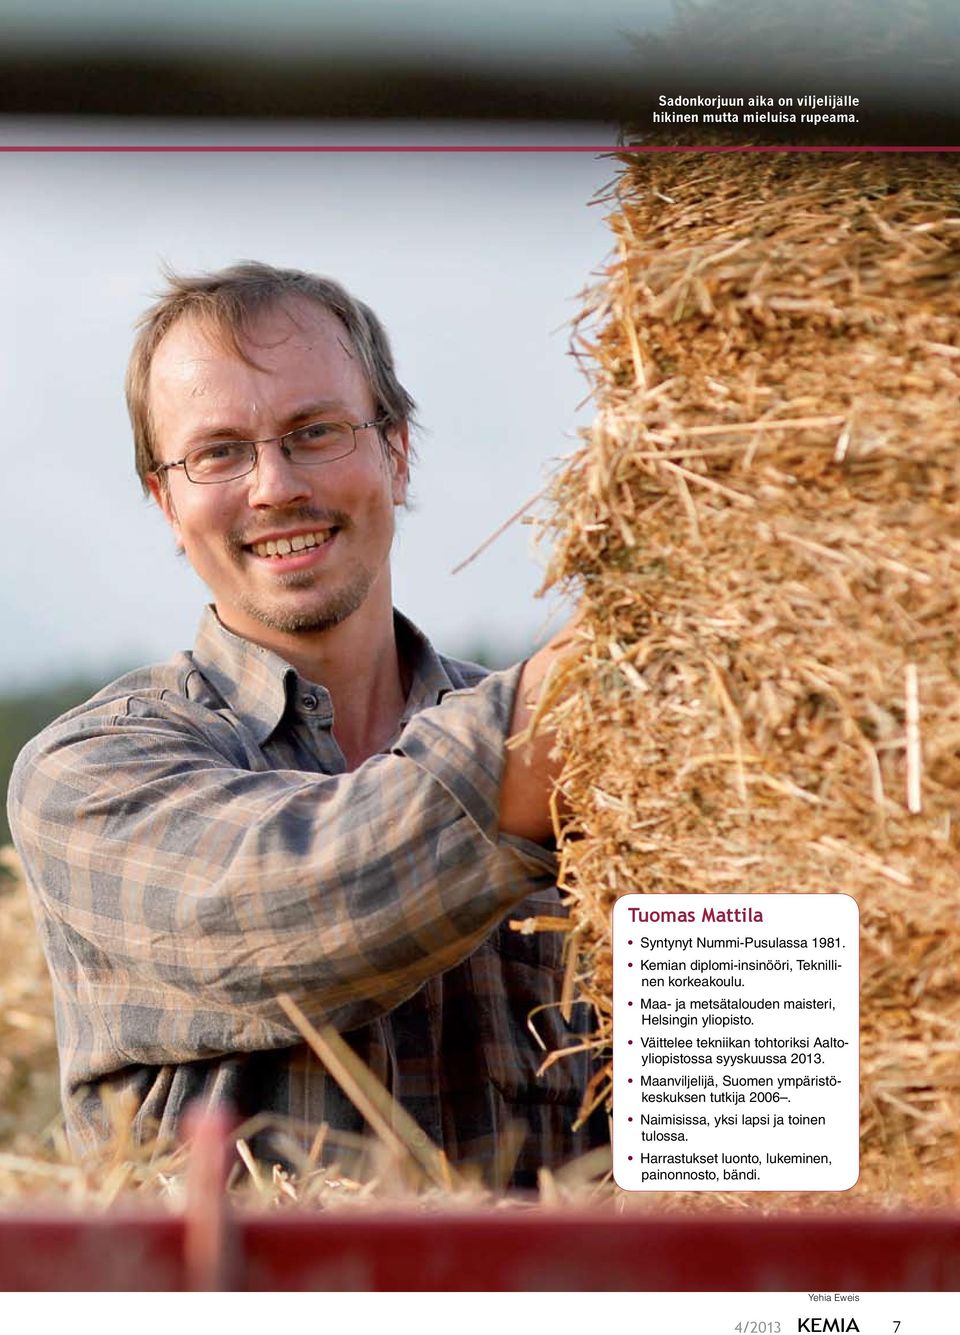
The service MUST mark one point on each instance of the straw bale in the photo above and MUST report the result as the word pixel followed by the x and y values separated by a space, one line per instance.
pixel 763 530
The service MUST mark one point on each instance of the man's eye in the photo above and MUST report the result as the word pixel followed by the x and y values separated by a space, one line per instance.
pixel 317 431
pixel 217 451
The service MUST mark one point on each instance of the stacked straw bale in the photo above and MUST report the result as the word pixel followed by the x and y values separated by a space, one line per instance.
pixel 764 530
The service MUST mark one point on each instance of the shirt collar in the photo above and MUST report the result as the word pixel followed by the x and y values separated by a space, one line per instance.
pixel 257 683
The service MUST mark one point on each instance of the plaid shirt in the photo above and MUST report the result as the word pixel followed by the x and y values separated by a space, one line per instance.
pixel 194 846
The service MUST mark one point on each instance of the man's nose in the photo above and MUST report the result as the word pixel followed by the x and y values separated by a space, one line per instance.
pixel 275 480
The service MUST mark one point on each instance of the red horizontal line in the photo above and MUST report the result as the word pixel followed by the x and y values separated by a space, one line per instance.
pixel 476 148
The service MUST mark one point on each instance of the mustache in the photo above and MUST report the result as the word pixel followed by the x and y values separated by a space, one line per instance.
pixel 305 516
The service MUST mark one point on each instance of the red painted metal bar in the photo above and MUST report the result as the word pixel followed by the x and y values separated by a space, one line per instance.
pixel 110 1253
pixel 523 1249
pixel 491 1251
pixel 209 1246
pixel 550 1251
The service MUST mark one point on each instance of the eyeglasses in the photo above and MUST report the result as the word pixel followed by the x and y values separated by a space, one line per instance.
pixel 315 443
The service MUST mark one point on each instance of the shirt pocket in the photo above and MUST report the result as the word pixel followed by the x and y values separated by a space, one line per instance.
pixel 523 977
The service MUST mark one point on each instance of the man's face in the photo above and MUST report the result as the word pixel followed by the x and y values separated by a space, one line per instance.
pixel 201 392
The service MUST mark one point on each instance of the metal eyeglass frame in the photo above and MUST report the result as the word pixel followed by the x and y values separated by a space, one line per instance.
pixel 267 440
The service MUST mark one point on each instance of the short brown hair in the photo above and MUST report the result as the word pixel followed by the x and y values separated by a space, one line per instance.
pixel 228 301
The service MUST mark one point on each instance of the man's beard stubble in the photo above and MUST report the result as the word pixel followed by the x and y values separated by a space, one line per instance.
pixel 335 607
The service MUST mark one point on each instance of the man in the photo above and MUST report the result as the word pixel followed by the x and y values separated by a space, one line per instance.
pixel 313 801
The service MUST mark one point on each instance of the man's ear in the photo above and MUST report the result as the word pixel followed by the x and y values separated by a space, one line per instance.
pixel 398 439
pixel 160 491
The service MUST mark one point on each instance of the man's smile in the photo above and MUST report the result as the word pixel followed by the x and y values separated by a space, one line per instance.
pixel 287 544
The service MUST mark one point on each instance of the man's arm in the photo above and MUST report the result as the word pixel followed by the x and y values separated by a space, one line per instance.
pixel 181 891
pixel 529 771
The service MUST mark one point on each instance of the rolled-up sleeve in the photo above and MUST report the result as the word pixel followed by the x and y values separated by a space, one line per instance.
pixel 179 890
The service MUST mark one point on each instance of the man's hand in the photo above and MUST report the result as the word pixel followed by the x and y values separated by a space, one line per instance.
pixel 528 772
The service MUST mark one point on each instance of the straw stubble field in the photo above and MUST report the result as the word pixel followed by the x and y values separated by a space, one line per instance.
pixel 29 1093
